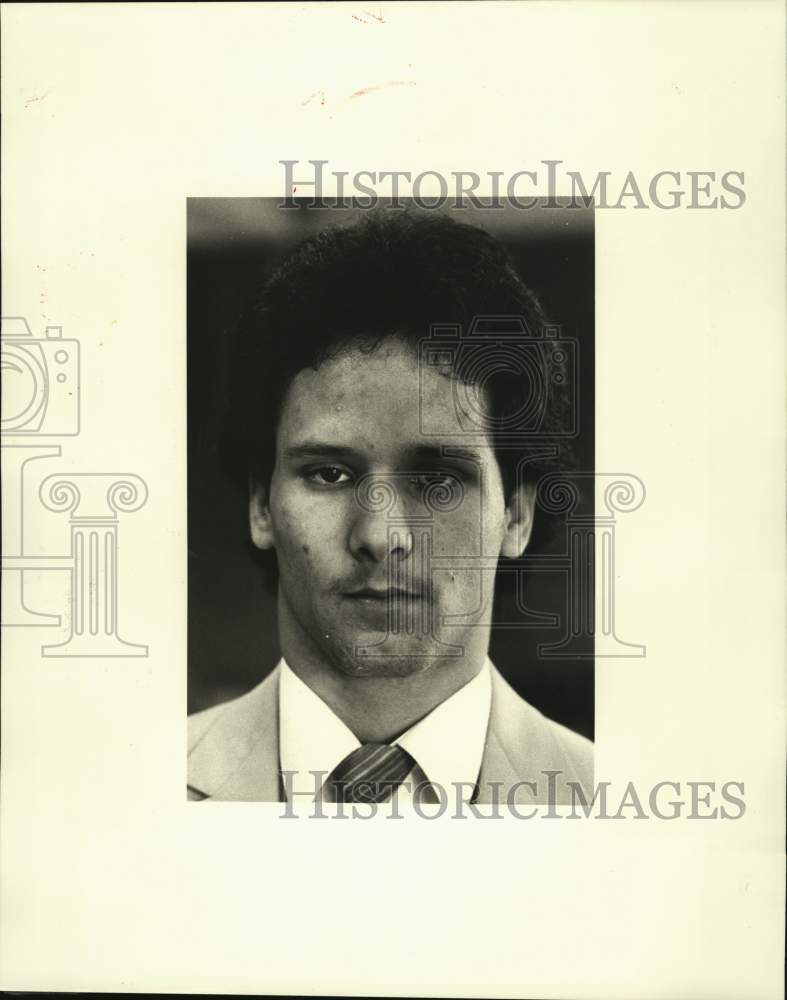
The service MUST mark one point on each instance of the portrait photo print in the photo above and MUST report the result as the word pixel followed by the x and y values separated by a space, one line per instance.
pixel 391 574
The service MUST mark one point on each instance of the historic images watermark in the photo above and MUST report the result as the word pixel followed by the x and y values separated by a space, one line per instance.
pixel 532 799
pixel 548 182
pixel 41 403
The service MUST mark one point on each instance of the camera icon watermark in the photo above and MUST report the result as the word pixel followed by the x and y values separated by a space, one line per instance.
pixel 507 380
pixel 41 402
pixel 515 397
pixel 40 381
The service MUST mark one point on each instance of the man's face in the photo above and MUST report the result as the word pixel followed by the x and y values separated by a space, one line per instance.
pixel 378 529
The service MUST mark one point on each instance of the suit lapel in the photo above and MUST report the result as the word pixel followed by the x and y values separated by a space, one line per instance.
pixel 523 746
pixel 497 774
pixel 519 746
pixel 238 757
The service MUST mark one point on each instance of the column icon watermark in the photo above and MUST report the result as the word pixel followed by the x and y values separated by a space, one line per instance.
pixel 41 403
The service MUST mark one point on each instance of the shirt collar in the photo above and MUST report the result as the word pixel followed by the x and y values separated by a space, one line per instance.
pixel 311 736
pixel 447 744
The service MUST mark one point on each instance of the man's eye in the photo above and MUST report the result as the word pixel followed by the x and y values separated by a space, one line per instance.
pixel 328 475
pixel 424 479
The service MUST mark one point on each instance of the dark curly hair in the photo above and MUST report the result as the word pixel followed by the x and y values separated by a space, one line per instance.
pixel 392 273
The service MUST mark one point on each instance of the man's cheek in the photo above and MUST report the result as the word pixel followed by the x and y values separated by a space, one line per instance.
pixel 466 593
pixel 292 523
pixel 310 552
pixel 459 534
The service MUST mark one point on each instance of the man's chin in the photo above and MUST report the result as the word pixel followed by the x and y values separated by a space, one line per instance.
pixel 382 655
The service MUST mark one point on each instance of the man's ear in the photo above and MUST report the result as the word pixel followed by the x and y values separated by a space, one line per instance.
pixel 519 520
pixel 260 515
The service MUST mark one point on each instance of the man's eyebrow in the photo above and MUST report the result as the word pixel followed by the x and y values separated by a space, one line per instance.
pixel 433 452
pixel 319 449
pixel 415 453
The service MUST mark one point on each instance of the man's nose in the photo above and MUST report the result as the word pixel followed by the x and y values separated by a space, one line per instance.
pixel 376 537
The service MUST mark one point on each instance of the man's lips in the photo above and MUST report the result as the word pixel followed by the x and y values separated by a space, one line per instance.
pixel 384 594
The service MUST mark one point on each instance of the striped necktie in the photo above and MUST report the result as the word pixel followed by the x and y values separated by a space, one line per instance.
pixel 369 774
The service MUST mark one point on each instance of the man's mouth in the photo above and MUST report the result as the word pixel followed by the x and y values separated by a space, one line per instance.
pixel 384 594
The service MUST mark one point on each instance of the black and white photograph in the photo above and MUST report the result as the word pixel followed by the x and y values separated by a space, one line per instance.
pixel 405 424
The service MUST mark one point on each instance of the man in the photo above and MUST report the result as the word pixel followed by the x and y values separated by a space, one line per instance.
pixel 377 451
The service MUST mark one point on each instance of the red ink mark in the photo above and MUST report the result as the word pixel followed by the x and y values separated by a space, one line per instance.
pixel 381 86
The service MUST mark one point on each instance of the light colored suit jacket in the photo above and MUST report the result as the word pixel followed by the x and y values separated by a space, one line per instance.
pixel 234 751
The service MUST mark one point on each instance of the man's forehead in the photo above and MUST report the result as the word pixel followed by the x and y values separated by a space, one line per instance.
pixel 359 360
pixel 380 386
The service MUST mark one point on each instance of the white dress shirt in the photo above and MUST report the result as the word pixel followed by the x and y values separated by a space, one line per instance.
pixel 447 744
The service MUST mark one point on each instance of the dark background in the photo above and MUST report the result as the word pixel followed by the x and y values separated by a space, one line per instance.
pixel 233 243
